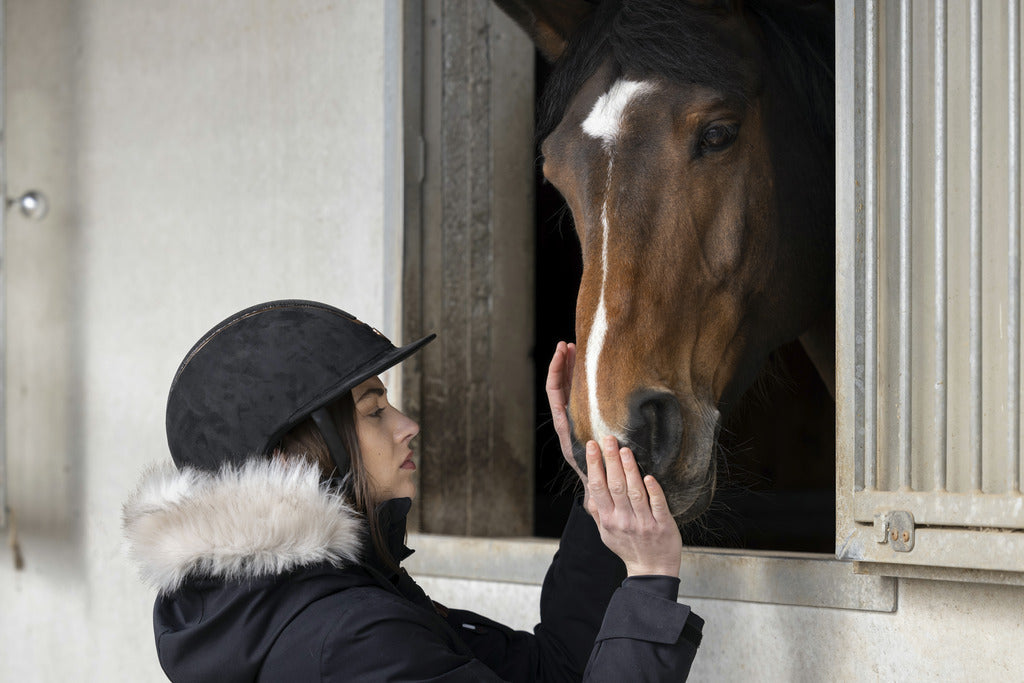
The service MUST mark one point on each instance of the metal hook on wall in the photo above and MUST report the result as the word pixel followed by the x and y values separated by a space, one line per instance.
pixel 33 205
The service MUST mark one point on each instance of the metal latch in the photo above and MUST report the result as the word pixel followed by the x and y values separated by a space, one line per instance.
pixel 895 527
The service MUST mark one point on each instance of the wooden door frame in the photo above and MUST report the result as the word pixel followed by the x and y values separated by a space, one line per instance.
pixel 468 262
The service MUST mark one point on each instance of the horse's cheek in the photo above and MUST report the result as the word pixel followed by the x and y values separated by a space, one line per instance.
pixel 723 246
pixel 579 408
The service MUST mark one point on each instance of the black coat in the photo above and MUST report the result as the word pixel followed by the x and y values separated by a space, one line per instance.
pixel 277 613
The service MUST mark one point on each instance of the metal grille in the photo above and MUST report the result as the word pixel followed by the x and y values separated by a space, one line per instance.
pixel 3 271
pixel 929 284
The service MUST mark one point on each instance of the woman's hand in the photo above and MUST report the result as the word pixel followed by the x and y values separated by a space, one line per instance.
pixel 631 512
pixel 557 386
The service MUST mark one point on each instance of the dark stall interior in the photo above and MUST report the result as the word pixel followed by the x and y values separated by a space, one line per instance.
pixel 776 460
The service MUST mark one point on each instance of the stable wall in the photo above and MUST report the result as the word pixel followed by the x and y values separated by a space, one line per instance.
pixel 199 157
pixel 939 631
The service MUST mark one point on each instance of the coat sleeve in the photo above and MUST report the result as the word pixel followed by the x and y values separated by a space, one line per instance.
pixel 588 620
pixel 646 635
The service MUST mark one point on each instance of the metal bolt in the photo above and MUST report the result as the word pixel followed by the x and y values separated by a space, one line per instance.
pixel 906 536
pixel 33 205
pixel 894 535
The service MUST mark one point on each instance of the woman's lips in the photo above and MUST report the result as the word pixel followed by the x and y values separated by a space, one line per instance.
pixel 407 464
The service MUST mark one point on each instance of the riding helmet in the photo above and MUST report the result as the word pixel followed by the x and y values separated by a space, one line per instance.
pixel 264 370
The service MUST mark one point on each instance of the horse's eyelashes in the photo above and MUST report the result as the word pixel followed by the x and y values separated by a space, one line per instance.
pixel 717 137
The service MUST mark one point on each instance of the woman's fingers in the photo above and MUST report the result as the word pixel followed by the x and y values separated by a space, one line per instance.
pixel 614 474
pixel 618 486
pixel 597 485
pixel 570 366
pixel 557 371
pixel 659 505
pixel 631 512
pixel 635 489
pixel 556 386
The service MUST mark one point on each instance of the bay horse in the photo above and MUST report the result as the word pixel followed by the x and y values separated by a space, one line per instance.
pixel 693 144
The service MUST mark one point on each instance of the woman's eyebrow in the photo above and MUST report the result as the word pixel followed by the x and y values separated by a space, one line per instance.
pixel 377 391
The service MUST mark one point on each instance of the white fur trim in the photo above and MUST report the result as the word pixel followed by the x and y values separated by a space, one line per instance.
pixel 263 518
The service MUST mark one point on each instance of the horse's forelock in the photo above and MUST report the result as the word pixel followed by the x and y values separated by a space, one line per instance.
pixel 586 50
pixel 643 38
pixel 680 42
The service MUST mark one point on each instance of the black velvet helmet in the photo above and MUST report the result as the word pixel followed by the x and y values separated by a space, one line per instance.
pixel 264 370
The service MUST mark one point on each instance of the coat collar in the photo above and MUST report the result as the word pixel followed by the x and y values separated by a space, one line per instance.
pixel 263 518
pixel 392 516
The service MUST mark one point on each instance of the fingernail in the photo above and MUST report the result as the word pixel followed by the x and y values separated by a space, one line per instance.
pixel 625 454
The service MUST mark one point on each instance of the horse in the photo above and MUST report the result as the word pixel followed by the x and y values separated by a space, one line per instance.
pixel 693 144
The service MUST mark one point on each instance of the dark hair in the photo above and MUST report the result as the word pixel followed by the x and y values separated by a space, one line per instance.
pixel 305 441
pixel 684 43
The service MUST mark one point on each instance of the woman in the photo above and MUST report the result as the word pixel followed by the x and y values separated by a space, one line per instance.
pixel 275 541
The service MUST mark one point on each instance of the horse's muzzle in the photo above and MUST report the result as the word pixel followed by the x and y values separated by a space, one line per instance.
pixel 655 429
pixel 674 444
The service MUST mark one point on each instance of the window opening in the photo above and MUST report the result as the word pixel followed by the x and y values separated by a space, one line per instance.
pixel 776 462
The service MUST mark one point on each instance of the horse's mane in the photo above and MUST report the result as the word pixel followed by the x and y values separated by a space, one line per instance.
pixel 678 41
pixel 800 41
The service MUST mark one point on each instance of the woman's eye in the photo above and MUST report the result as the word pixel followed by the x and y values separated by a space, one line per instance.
pixel 717 137
pixel 377 413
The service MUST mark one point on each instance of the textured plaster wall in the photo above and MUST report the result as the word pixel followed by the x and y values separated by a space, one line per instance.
pixel 941 631
pixel 199 157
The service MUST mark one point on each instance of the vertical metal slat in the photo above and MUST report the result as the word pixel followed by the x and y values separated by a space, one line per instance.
pixel 975 246
pixel 870 244
pixel 939 424
pixel 903 401
pixel 1013 276
pixel 3 267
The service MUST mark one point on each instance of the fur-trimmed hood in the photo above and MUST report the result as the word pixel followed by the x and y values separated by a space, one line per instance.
pixel 264 518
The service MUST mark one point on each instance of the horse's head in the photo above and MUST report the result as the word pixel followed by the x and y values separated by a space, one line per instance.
pixel 698 175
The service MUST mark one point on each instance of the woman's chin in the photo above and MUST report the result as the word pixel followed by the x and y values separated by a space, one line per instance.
pixel 406 490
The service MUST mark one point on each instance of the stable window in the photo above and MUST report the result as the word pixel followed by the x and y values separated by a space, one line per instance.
pixel 928 283
pixel 929 289
pixel 468 159
pixel 499 282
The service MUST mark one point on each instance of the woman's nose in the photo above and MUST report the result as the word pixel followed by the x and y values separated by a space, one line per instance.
pixel 407 428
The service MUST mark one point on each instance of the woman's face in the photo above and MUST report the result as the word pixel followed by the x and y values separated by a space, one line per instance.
pixel 384 434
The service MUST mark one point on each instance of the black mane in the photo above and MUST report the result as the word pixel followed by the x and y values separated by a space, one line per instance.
pixel 675 40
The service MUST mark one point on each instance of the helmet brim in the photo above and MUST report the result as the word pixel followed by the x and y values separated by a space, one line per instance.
pixel 373 367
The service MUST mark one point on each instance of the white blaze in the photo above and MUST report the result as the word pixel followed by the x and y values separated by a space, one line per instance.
pixel 605 118
pixel 595 341
pixel 604 123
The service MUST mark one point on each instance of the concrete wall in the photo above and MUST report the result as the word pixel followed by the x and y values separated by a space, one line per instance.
pixel 939 631
pixel 199 157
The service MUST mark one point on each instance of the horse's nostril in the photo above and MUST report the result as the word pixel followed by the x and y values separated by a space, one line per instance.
pixel 655 427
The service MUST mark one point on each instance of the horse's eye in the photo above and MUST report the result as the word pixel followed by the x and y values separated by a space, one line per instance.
pixel 717 137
